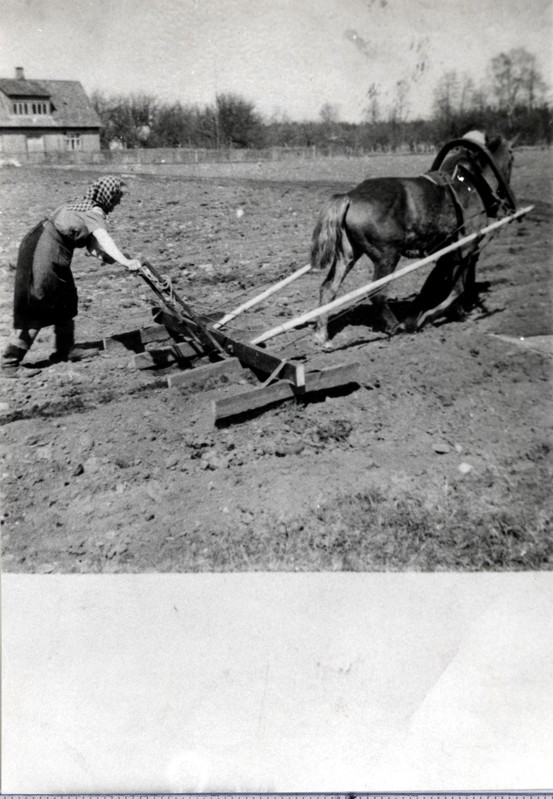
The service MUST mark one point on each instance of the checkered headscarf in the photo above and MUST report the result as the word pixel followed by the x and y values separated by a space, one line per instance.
pixel 101 193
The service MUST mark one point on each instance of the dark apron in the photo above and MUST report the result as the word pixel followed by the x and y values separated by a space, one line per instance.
pixel 45 292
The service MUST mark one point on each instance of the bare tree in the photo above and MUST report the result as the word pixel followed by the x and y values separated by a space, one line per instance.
pixel 127 119
pixel 372 111
pixel 516 79
pixel 329 114
pixel 400 102
pixel 467 93
pixel 446 97
pixel 237 123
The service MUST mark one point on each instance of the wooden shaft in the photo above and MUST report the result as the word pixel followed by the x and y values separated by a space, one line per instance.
pixel 179 307
pixel 368 288
pixel 260 297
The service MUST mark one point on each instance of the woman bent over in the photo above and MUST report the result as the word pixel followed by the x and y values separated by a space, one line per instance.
pixel 45 292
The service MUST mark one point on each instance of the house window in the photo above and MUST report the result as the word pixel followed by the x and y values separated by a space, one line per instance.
pixel 19 107
pixel 73 141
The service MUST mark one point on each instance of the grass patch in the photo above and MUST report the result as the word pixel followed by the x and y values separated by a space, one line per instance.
pixel 368 531
pixel 373 532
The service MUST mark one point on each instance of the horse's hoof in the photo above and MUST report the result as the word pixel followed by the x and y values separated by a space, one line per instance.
pixel 422 319
pixel 393 330
pixel 410 325
pixel 457 315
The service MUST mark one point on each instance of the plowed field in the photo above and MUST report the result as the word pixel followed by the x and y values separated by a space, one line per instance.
pixel 439 459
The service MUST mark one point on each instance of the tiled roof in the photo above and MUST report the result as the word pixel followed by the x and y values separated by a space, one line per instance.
pixel 22 88
pixel 72 108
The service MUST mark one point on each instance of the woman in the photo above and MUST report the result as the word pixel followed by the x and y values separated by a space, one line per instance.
pixel 45 292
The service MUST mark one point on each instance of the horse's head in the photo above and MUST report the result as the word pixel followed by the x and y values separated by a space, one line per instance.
pixel 501 150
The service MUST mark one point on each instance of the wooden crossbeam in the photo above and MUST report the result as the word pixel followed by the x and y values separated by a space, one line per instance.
pixel 135 340
pixel 323 380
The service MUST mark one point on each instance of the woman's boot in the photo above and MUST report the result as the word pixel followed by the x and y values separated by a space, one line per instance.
pixel 10 360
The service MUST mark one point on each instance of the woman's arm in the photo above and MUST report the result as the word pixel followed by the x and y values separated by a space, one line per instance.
pixel 106 244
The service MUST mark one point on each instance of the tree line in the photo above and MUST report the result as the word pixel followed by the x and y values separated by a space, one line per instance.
pixel 511 100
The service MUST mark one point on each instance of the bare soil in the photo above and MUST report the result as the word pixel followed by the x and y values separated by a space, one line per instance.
pixel 439 459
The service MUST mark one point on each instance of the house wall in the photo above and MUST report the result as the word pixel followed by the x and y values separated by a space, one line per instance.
pixel 45 140
pixel 13 142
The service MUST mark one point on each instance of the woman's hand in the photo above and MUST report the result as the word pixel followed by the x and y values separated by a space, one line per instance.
pixel 134 265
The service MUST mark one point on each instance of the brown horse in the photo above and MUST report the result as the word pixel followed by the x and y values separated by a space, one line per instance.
pixel 386 218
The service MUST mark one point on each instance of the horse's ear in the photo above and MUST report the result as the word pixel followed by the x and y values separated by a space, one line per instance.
pixel 514 140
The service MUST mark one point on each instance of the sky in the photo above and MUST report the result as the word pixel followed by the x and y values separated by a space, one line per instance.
pixel 287 57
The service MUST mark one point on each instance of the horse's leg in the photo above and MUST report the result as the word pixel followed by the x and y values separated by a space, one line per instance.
pixel 470 295
pixel 384 265
pixel 345 259
pixel 444 290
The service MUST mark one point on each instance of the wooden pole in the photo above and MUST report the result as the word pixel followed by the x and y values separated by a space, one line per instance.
pixel 368 288
pixel 260 297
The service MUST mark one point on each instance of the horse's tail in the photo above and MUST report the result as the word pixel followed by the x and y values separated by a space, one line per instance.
pixel 326 242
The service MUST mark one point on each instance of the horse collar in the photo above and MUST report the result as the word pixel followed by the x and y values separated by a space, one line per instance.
pixel 491 200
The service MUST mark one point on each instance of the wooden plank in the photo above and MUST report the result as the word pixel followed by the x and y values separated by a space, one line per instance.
pixel 165 356
pixel 135 339
pixel 128 341
pixel 199 375
pixel 323 380
pixel 252 400
pixel 152 333
pixel 375 285
pixel 332 377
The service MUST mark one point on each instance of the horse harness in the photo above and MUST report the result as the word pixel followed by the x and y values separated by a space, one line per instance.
pixel 470 171
pixel 441 179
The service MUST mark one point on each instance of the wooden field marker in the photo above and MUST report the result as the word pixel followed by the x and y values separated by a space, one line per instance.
pixel 181 336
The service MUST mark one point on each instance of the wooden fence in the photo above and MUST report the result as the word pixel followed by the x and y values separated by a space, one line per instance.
pixel 144 157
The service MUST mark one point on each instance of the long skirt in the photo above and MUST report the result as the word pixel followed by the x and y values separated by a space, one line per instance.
pixel 45 292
